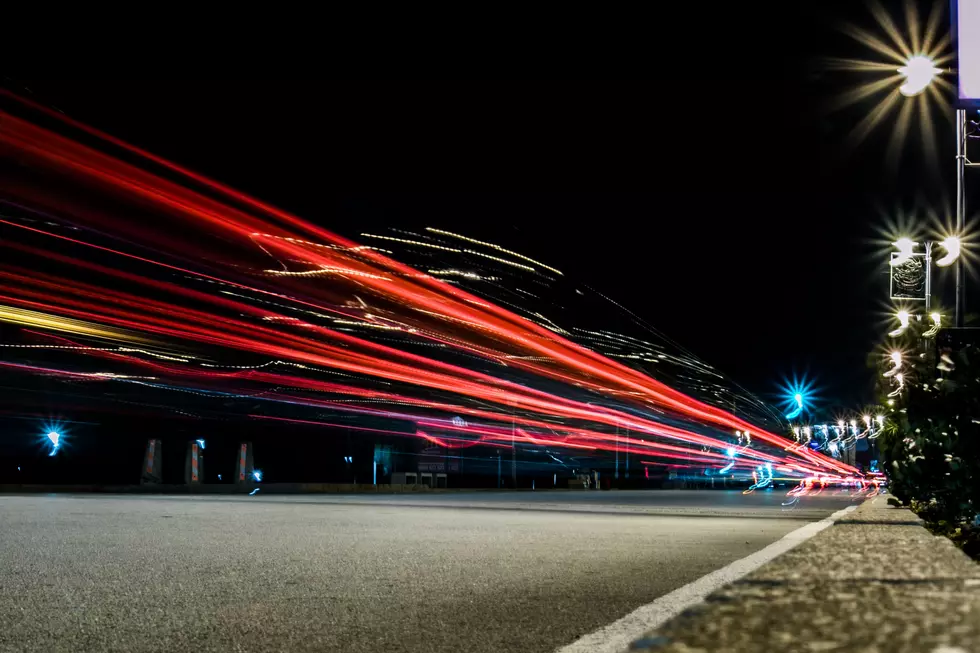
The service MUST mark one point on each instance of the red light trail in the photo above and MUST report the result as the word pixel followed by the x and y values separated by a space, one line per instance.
pixel 116 245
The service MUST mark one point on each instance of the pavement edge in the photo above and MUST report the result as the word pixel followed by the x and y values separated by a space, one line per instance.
pixel 876 580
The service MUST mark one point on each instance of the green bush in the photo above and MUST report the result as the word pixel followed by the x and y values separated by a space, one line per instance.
pixel 931 447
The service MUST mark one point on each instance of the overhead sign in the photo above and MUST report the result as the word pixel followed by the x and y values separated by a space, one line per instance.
pixel 966 28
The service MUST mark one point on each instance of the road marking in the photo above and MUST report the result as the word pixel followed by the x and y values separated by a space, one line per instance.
pixel 617 636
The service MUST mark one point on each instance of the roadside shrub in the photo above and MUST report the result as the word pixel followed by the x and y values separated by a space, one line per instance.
pixel 931 446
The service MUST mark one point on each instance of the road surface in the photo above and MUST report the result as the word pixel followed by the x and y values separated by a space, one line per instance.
pixel 454 572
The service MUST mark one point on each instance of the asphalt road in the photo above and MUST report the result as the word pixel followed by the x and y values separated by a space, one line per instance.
pixel 443 572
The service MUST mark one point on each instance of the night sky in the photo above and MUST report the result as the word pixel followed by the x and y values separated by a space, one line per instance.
pixel 714 194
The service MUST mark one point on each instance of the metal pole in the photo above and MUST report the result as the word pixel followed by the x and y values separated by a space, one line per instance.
pixel 960 209
pixel 617 452
pixel 929 277
pixel 513 451
pixel 627 452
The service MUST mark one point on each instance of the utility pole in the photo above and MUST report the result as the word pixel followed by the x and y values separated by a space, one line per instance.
pixel 929 279
pixel 627 452
pixel 616 475
pixel 960 209
pixel 513 450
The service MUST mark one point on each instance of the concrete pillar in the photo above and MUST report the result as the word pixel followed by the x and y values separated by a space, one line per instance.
pixel 194 464
pixel 152 462
pixel 244 465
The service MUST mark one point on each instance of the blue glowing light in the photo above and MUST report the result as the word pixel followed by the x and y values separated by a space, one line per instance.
pixel 257 475
pixel 253 492
pixel 797 397
pixel 200 443
pixel 730 452
pixel 53 437
pixel 727 468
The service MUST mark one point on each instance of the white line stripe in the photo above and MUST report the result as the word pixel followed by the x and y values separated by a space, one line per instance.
pixel 617 636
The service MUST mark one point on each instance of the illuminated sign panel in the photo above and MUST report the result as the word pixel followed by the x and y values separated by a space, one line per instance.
pixel 966 35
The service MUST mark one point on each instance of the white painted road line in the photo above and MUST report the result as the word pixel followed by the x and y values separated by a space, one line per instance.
pixel 617 636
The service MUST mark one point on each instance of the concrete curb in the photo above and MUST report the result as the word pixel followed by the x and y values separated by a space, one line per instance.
pixel 875 581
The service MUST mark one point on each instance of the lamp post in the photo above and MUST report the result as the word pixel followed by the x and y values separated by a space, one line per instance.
pixel 906 252
pixel 960 206
pixel 919 72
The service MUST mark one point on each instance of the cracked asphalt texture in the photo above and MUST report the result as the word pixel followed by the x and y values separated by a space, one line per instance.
pixel 435 572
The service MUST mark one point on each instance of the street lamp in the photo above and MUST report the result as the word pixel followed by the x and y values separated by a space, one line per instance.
pixel 919 55
pixel 952 247
pixel 55 438
pixel 903 319
pixel 937 323
pixel 798 400
pixel 896 358
pixel 918 74
pixel 906 252
pixel 901 385
pixel 919 71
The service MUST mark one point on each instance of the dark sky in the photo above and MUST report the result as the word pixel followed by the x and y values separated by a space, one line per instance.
pixel 712 193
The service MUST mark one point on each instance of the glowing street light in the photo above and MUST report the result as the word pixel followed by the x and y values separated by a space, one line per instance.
pixel 896 358
pixel 903 319
pixel 901 385
pixel 798 398
pixel 55 438
pixel 919 53
pixel 952 247
pixel 919 72
pixel 906 250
